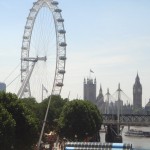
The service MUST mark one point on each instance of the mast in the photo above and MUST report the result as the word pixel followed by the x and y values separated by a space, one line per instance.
pixel 107 106
pixel 118 111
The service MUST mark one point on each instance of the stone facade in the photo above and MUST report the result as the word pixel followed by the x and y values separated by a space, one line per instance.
pixel 89 90
pixel 137 94
pixel 2 87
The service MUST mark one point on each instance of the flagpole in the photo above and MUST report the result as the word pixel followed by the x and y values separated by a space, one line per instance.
pixel 90 74
pixel 42 92
pixel 77 96
pixel 68 95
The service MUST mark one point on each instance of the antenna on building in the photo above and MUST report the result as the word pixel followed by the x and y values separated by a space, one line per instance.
pixel 68 95
pixel 77 96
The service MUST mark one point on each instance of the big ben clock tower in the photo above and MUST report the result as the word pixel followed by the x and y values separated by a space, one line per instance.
pixel 137 94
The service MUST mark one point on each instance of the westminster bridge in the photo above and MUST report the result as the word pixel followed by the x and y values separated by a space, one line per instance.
pixel 127 119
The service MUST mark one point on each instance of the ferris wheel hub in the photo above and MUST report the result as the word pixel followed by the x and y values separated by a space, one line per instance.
pixel 35 59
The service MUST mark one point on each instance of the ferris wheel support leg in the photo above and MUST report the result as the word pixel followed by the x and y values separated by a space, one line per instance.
pixel 26 81
pixel 42 131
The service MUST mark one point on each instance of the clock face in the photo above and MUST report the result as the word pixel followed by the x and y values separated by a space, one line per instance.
pixel 139 90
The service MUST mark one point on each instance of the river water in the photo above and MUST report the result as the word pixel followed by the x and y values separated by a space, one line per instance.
pixel 139 143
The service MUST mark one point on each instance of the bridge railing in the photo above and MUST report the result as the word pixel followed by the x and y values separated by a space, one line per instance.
pixel 127 119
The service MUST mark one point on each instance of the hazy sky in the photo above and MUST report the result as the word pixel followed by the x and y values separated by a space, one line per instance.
pixel 111 37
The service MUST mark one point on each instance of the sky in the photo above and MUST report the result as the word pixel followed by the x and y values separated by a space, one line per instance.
pixel 111 37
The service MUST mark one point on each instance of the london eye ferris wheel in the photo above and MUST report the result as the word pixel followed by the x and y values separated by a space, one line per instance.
pixel 43 52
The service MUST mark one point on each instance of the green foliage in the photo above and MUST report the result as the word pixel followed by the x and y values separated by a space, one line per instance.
pixel 56 105
pixel 7 129
pixel 31 104
pixel 39 110
pixel 79 118
pixel 26 128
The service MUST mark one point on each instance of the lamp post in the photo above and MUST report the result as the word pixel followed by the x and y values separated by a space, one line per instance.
pixel 86 137
pixel 76 138
pixel 12 147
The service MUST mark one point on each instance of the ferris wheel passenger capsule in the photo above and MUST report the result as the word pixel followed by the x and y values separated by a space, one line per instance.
pixel 26 37
pixel 59 84
pixel 58 10
pixel 62 71
pixel 54 3
pixel 26 90
pixel 30 18
pixel 33 10
pixel 24 48
pixel 27 27
pixel 63 44
pixel 60 20
pixel 62 57
pixel 62 31
pixel 35 3
pixel 23 69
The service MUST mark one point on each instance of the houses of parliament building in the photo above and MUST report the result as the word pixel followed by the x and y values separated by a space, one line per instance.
pixel 108 106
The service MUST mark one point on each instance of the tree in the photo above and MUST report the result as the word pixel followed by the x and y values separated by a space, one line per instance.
pixel 7 129
pixel 31 104
pixel 26 129
pixel 79 118
pixel 56 105
pixel 39 110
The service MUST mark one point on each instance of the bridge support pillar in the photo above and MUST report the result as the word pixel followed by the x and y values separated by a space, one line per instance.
pixel 111 135
pixel 128 127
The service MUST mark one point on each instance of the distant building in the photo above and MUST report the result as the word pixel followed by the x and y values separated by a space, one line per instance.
pixel 100 97
pixel 100 101
pixel 127 109
pixel 108 107
pixel 147 108
pixel 2 86
pixel 137 94
pixel 89 90
pixel 119 106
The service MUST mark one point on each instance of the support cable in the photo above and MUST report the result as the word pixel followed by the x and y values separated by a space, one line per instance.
pixel 11 72
pixel 13 80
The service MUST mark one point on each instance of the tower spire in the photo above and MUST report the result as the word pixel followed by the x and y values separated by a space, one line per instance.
pixel 137 78
pixel 100 90
pixel 108 91
pixel 119 89
pixel 137 93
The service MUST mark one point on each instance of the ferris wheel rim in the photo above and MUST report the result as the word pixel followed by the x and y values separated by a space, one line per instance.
pixel 60 42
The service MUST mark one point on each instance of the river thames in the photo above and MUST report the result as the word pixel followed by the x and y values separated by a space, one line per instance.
pixel 137 142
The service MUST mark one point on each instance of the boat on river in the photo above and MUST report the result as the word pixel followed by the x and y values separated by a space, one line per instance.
pixel 146 134
pixel 137 133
